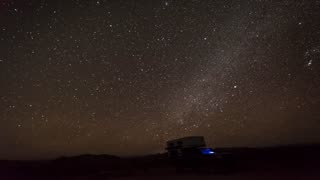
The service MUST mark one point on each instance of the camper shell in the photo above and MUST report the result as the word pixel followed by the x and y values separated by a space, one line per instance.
pixel 192 146
pixel 186 142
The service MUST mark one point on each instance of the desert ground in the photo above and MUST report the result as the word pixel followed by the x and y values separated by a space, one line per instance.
pixel 247 163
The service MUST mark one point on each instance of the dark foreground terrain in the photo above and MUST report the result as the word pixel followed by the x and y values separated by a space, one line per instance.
pixel 291 162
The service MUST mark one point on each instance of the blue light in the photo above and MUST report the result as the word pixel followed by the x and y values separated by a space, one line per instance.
pixel 206 151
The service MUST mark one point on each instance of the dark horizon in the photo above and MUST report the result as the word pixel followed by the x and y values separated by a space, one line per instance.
pixel 123 77
pixel 289 147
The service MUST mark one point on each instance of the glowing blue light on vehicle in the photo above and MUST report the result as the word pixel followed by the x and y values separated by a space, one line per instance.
pixel 207 151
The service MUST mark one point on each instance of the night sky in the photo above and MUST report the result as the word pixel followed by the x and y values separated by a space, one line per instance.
pixel 122 77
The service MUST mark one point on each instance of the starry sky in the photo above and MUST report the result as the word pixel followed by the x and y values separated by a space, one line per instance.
pixel 122 77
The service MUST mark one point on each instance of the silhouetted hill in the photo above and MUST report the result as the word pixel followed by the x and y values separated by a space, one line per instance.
pixel 87 158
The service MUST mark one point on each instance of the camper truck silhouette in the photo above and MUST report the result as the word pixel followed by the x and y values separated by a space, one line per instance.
pixel 191 153
pixel 187 147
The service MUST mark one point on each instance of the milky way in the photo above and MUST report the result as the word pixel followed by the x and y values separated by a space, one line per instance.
pixel 122 77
